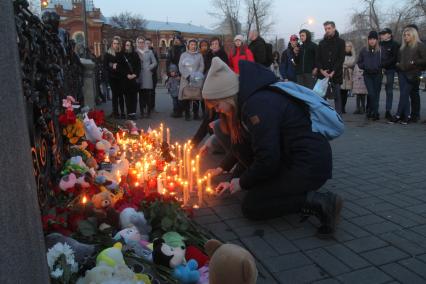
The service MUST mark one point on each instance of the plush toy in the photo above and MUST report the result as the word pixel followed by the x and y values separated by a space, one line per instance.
pixel 108 136
pixel 68 181
pixel 230 264
pixel 111 269
pixel 92 163
pixel 166 255
pixel 131 126
pixel 187 274
pixel 106 182
pixel 121 168
pixel 81 251
pixel 130 218
pixel 103 200
pixel 93 134
pixel 193 252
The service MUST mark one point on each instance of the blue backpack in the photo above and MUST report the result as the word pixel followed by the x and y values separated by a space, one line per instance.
pixel 325 119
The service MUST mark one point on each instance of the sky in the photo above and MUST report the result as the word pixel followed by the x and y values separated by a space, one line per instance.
pixel 288 16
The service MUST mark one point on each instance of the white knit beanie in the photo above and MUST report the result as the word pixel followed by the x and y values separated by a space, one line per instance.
pixel 221 82
pixel 240 37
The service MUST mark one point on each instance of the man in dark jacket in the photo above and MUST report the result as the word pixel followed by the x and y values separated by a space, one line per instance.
pixel 258 47
pixel 282 162
pixel 389 49
pixel 305 60
pixel 288 60
pixel 330 58
pixel 178 48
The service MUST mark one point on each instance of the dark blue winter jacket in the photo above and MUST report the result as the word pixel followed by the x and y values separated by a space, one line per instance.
pixel 278 130
pixel 288 65
pixel 370 60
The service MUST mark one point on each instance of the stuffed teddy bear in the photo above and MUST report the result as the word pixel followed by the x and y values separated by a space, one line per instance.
pixel 129 218
pixel 92 132
pixel 131 126
pixel 230 264
pixel 103 200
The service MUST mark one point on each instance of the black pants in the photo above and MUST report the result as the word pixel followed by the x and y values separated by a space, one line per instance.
pixel 282 195
pixel 154 84
pixel 186 106
pixel 145 101
pixel 131 95
pixel 117 96
pixel 360 102
pixel 344 96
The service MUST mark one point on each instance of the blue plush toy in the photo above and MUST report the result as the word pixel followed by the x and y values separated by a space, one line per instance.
pixel 187 274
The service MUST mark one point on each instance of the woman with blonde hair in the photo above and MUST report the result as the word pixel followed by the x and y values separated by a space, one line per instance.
pixel 370 61
pixel 348 67
pixel 281 162
pixel 111 60
pixel 411 60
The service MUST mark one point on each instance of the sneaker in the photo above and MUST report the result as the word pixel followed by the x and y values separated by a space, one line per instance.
pixel 388 115
pixel 395 119
pixel 413 119
pixel 404 121
pixel 132 116
pixel 375 117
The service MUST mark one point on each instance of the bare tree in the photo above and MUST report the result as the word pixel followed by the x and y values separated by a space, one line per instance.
pixel 259 13
pixel 228 12
pixel 133 23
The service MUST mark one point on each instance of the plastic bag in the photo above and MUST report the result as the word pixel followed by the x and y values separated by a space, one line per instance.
pixel 321 87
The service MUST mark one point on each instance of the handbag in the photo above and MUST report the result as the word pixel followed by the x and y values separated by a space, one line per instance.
pixel 191 93
pixel 321 87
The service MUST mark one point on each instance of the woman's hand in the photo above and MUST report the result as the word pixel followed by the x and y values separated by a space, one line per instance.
pixel 214 172
pixel 223 187
pixel 203 150
pixel 233 186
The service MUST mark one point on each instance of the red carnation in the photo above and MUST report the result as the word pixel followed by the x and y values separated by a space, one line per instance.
pixel 68 117
pixel 98 116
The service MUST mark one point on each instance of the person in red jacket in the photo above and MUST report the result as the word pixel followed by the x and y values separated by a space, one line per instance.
pixel 240 52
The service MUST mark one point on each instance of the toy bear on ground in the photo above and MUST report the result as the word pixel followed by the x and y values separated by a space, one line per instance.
pixel 230 264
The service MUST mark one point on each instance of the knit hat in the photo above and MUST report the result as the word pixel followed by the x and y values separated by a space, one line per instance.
pixel 173 68
pixel 373 34
pixel 221 81
pixel 239 37
pixel 294 38
pixel 386 31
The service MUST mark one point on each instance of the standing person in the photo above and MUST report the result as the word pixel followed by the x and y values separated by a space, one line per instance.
pixel 348 65
pixel 370 61
pixel 204 47
pixel 411 60
pixel 190 63
pixel 145 79
pixel 390 50
pixel 148 42
pixel 275 66
pixel 258 48
pixel 288 63
pixel 111 61
pixel 359 89
pixel 283 163
pixel 330 57
pixel 305 60
pixel 130 68
pixel 172 85
pixel 216 50
pixel 239 52
pixel 175 52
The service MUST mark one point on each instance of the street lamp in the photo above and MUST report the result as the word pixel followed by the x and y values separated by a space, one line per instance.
pixel 44 3
pixel 309 22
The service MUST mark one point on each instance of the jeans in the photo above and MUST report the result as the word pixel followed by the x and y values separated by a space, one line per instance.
pixel 407 87
pixel 390 78
pixel 415 99
pixel 335 94
pixel 175 101
pixel 117 96
pixel 186 106
pixel 373 82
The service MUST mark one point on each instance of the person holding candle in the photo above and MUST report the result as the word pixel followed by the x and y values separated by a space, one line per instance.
pixel 283 162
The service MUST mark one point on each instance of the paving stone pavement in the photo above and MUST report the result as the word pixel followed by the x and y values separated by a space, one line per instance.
pixel 379 170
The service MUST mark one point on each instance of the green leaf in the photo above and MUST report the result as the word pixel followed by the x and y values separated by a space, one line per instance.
pixel 166 223
pixel 86 228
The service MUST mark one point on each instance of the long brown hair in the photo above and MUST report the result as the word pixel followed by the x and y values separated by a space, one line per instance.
pixel 229 123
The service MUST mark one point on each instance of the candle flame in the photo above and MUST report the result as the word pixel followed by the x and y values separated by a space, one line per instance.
pixel 84 200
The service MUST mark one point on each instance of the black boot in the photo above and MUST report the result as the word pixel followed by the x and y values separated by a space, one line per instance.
pixel 326 207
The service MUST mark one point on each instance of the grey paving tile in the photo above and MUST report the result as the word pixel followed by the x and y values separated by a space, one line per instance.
pixel 367 220
pixel 408 246
pixel 259 247
pixel 365 244
pixel 366 275
pixel 384 255
pixel 347 256
pixel 328 262
pixel 306 274
pixel 415 265
pixel 313 242
pixel 383 227
pixel 287 261
pixel 402 274
pixel 279 243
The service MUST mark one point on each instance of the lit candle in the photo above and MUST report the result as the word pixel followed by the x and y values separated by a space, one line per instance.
pixel 161 133
pixel 185 193
pixel 197 167
pixel 168 135
pixel 209 180
pixel 84 200
pixel 160 188
pixel 200 191
pixel 184 158
pixel 180 170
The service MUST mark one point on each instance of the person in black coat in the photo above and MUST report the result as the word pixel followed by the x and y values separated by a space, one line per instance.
pixel 281 162
pixel 330 58
pixel 130 68
pixel 258 47
pixel 174 53
pixel 305 60
pixel 216 50
pixel 389 49
pixel 111 59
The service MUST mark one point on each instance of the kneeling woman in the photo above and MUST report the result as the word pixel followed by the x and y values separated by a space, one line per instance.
pixel 281 162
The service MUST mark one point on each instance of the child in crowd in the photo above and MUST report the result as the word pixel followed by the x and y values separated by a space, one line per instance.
pixel 172 85
pixel 359 89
